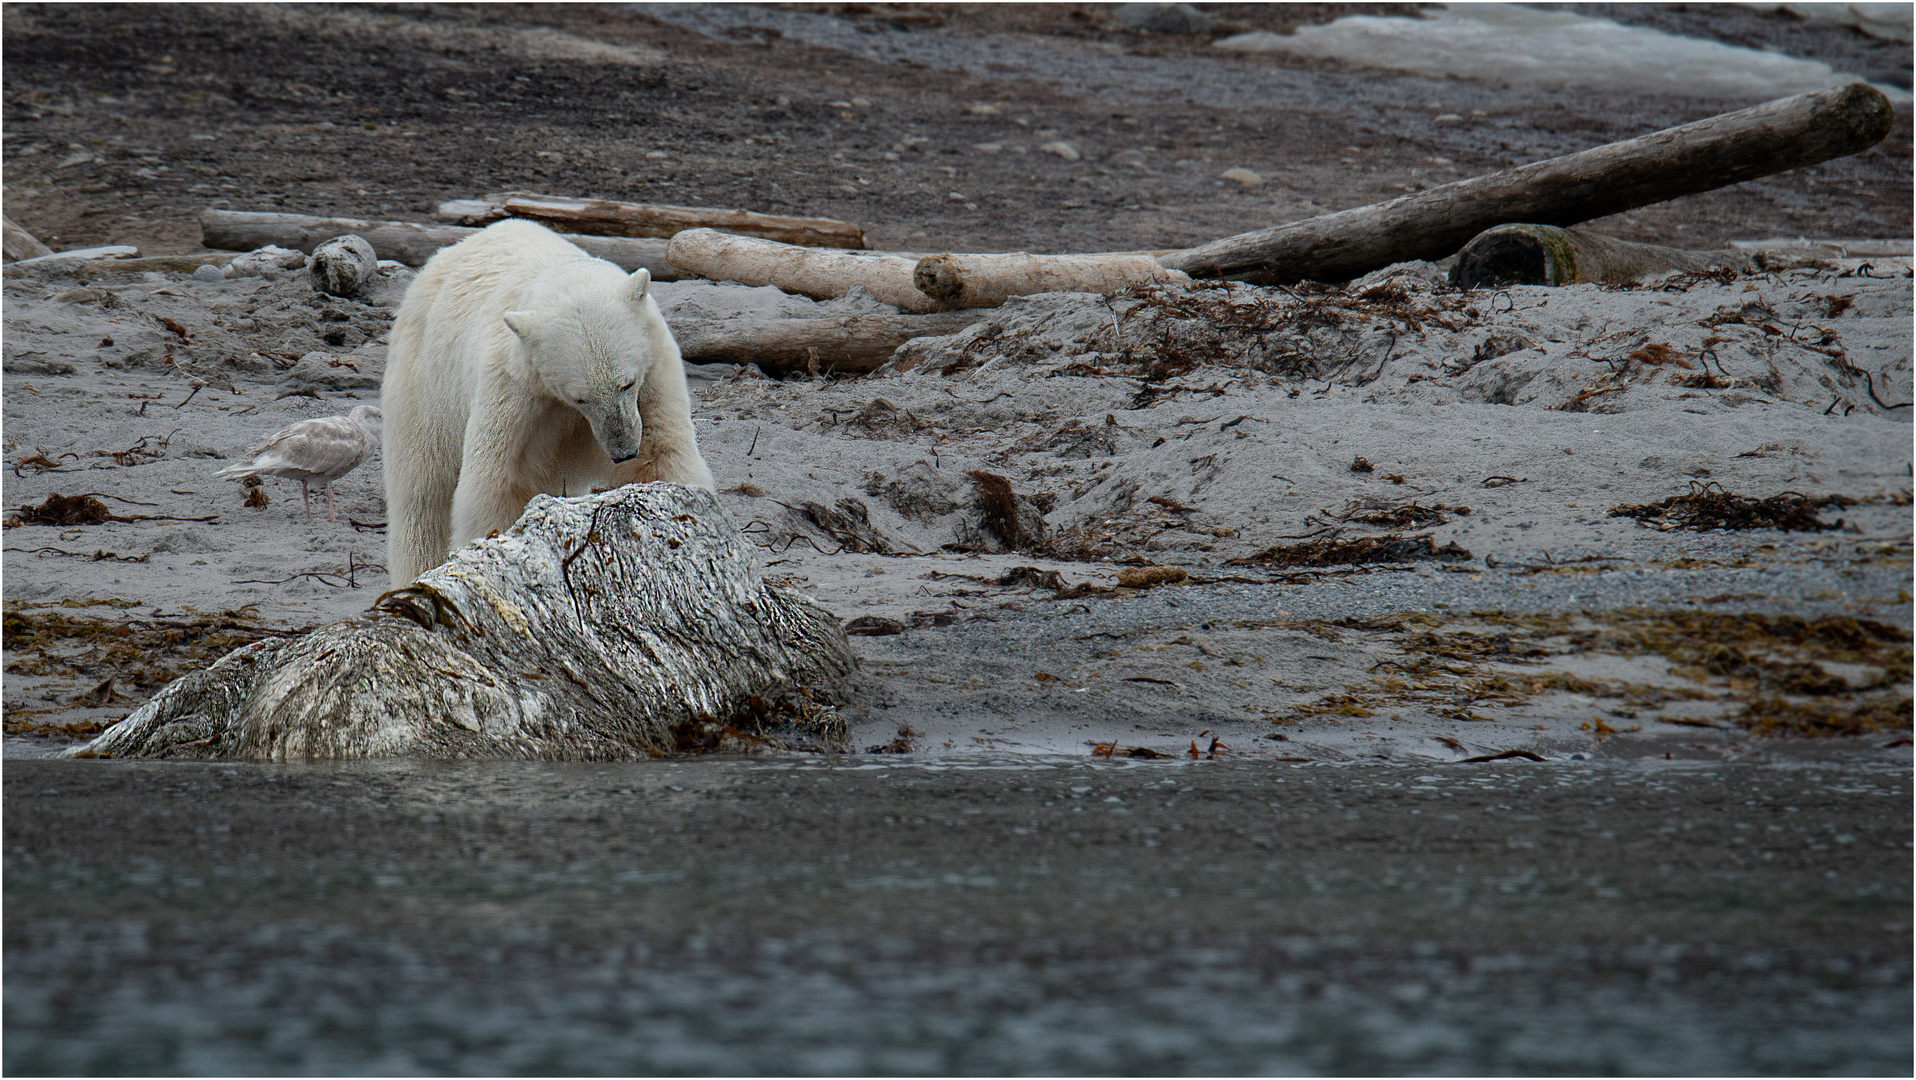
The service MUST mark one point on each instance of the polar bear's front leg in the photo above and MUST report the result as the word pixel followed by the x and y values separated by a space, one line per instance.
pixel 486 501
pixel 493 488
pixel 669 448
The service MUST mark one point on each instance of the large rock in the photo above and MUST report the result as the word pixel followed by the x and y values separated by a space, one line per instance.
pixel 317 370
pixel 343 266
pixel 617 626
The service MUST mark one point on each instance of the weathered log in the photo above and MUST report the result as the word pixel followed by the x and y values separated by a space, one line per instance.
pixel 820 273
pixel 1547 255
pixel 606 217
pixel 977 281
pixel 408 242
pixel 19 243
pixel 74 256
pixel 852 344
pixel 1785 134
pixel 610 627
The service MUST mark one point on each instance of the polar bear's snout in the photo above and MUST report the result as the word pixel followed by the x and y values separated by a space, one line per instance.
pixel 618 432
pixel 619 435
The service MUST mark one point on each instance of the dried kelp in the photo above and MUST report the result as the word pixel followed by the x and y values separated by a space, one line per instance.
pixel 1370 549
pixel 1709 506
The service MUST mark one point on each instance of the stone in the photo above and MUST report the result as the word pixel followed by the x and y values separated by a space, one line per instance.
pixel 1063 149
pixel 264 260
pixel 343 265
pixel 1242 177
pixel 331 371
pixel 1164 18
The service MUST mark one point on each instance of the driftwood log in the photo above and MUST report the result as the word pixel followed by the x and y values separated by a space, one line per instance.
pixel 408 242
pixel 820 273
pixel 19 243
pixel 606 217
pixel 1721 150
pixel 611 627
pixel 853 344
pixel 980 281
pixel 1547 255
pixel 915 283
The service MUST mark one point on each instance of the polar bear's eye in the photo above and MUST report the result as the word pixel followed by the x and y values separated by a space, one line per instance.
pixel 627 386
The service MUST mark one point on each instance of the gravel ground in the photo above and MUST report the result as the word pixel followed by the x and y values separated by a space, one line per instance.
pixel 1203 918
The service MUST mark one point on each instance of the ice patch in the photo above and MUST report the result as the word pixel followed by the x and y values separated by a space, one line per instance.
pixel 1510 44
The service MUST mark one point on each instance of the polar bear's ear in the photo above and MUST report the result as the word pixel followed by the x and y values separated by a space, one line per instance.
pixel 522 322
pixel 637 284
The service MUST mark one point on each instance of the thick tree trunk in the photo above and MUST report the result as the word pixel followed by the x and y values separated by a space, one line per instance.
pixel 605 217
pixel 618 626
pixel 408 242
pixel 1722 150
pixel 820 273
pixel 978 281
pixel 854 344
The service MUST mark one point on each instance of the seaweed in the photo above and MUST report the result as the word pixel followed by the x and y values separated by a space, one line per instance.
pixel 1777 716
pixel 71 510
pixel 1144 577
pixel 1371 549
pixel 121 655
pixel 999 505
pixel 1772 666
pixel 1034 577
pixel 873 626
pixel 1710 506
pixel 60 509
pixel 1407 516
pixel 850 524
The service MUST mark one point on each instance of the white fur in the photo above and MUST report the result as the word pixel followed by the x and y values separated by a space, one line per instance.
pixel 485 409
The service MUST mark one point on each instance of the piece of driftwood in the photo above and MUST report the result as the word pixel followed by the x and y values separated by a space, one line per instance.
pixel 618 626
pixel 979 281
pixel 18 243
pixel 820 273
pixel 915 283
pixel 1785 134
pixel 850 344
pixel 607 217
pixel 408 242
pixel 95 268
pixel 80 255
pixel 1547 255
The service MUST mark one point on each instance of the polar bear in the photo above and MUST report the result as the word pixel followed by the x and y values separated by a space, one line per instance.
pixel 520 365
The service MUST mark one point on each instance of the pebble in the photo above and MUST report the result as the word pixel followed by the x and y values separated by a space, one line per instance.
pixel 1063 149
pixel 1244 177
pixel 208 272
pixel 1164 18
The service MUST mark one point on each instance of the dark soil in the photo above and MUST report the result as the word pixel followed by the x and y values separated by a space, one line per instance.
pixel 383 111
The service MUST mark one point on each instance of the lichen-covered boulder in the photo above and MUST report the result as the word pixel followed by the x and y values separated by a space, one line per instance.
pixel 622 625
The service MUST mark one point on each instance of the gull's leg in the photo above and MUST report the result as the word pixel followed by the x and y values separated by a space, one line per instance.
pixel 329 502
pixel 303 501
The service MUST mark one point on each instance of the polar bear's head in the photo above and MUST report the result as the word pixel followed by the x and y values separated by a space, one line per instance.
pixel 592 336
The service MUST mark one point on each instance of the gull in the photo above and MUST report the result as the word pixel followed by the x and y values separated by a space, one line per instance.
pixel 312 450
